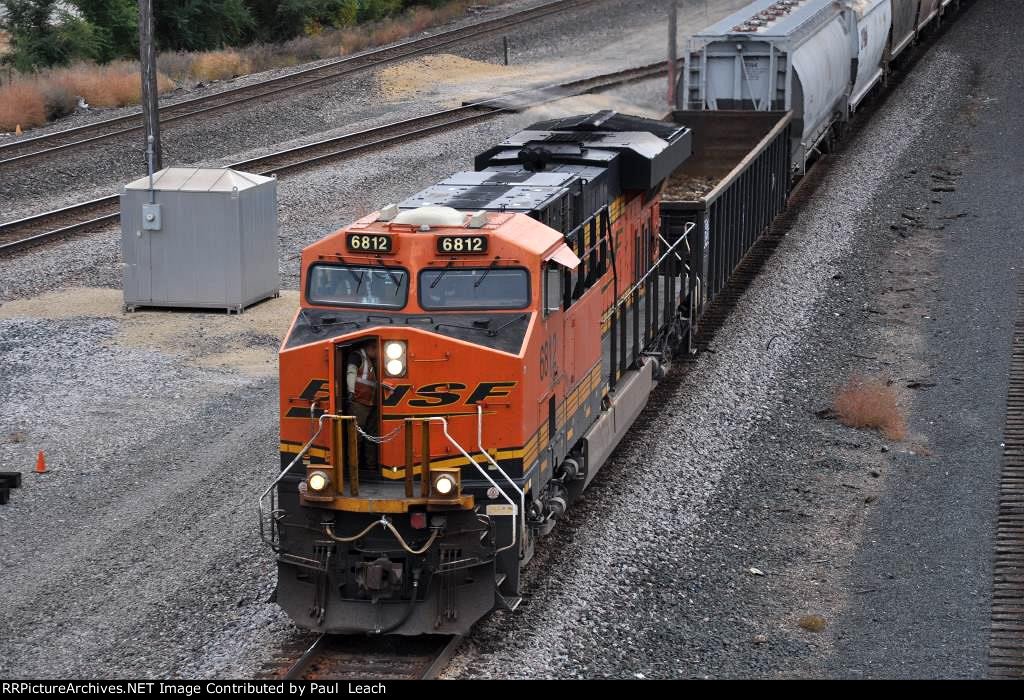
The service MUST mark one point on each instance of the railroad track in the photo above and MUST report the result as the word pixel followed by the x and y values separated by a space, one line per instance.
pixel 18 152
pixel 102 212
pixel 1006 634
pixel 359 657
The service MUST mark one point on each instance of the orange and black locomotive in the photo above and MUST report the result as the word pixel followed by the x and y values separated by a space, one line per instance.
pixel 461 365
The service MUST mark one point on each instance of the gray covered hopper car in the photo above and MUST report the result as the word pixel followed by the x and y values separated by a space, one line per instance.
pixel 816 58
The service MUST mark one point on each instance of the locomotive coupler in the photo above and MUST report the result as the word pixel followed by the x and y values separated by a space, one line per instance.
pixel 380 577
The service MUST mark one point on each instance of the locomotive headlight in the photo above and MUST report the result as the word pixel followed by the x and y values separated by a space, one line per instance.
pixel 318 481
pixel 444 482
pixel 444 485
pixel 394 349
pixel 394 354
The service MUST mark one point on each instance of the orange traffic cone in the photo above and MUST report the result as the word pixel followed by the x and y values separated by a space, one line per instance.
pixel 17 130
pixel 40 463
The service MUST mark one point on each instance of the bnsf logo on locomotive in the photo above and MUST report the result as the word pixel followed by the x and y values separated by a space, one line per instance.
pixel 425 396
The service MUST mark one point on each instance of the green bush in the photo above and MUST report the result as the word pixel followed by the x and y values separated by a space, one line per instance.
pixel 198 25
pixel 281 20
pixel 375 10
pixel 116 24
pixel 43 34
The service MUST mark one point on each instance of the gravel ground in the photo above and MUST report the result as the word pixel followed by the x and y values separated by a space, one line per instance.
pixel 605 36
pixel 924 605
pixel 749 477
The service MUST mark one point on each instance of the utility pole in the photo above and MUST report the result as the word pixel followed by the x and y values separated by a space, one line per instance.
pixel 673 79
pixel 150 97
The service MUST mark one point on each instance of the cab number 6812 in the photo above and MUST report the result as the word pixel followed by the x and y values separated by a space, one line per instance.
pixel 368 242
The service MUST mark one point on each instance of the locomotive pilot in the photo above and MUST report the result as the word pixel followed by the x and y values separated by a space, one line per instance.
pixel 361 382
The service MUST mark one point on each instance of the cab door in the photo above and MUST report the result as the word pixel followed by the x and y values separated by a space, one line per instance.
pixel 553 355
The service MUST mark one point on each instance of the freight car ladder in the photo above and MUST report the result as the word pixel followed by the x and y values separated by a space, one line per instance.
pixel 739 75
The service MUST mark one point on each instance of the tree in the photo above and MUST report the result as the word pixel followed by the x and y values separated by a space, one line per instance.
pixel 196 25
pixel 44 35
pixel 116 25
pixel 280 20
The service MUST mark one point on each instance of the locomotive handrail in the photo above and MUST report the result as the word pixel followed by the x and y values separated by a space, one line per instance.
pixel 444 425
pixel 483 472
pixel 305 448
pixel 665 241
pixel 625 295
pixel 522 494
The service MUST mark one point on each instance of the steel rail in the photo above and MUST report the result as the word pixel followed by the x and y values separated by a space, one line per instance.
pixel 360 657
pixel 303 80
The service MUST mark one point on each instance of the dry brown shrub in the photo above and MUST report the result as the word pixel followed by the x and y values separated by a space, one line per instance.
pixel 21 102
pixel 353 40
pixel 29 101
pixel 176 64
pixel 219 65
pixel 114 85
pixel 812 623
pixel 390 32
pixel 421 18
pixel 59 100
pixel 871 403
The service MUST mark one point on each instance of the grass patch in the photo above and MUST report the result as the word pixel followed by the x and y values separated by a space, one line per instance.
pixel 871 403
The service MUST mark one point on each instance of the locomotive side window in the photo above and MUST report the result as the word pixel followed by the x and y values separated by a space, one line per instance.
pixel 474 288
pixel 369 287
pixel 552 288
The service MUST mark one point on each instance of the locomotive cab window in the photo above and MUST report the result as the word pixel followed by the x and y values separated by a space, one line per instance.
pixel 474 288
pixel 368 287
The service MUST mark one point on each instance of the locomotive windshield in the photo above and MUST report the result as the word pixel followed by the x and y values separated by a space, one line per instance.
pixel 372 287
pixel 475 288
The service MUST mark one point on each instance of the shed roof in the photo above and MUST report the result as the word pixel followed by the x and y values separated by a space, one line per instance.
pixel 199 180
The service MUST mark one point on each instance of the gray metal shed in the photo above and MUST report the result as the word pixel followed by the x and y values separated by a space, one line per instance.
pixel 202 237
